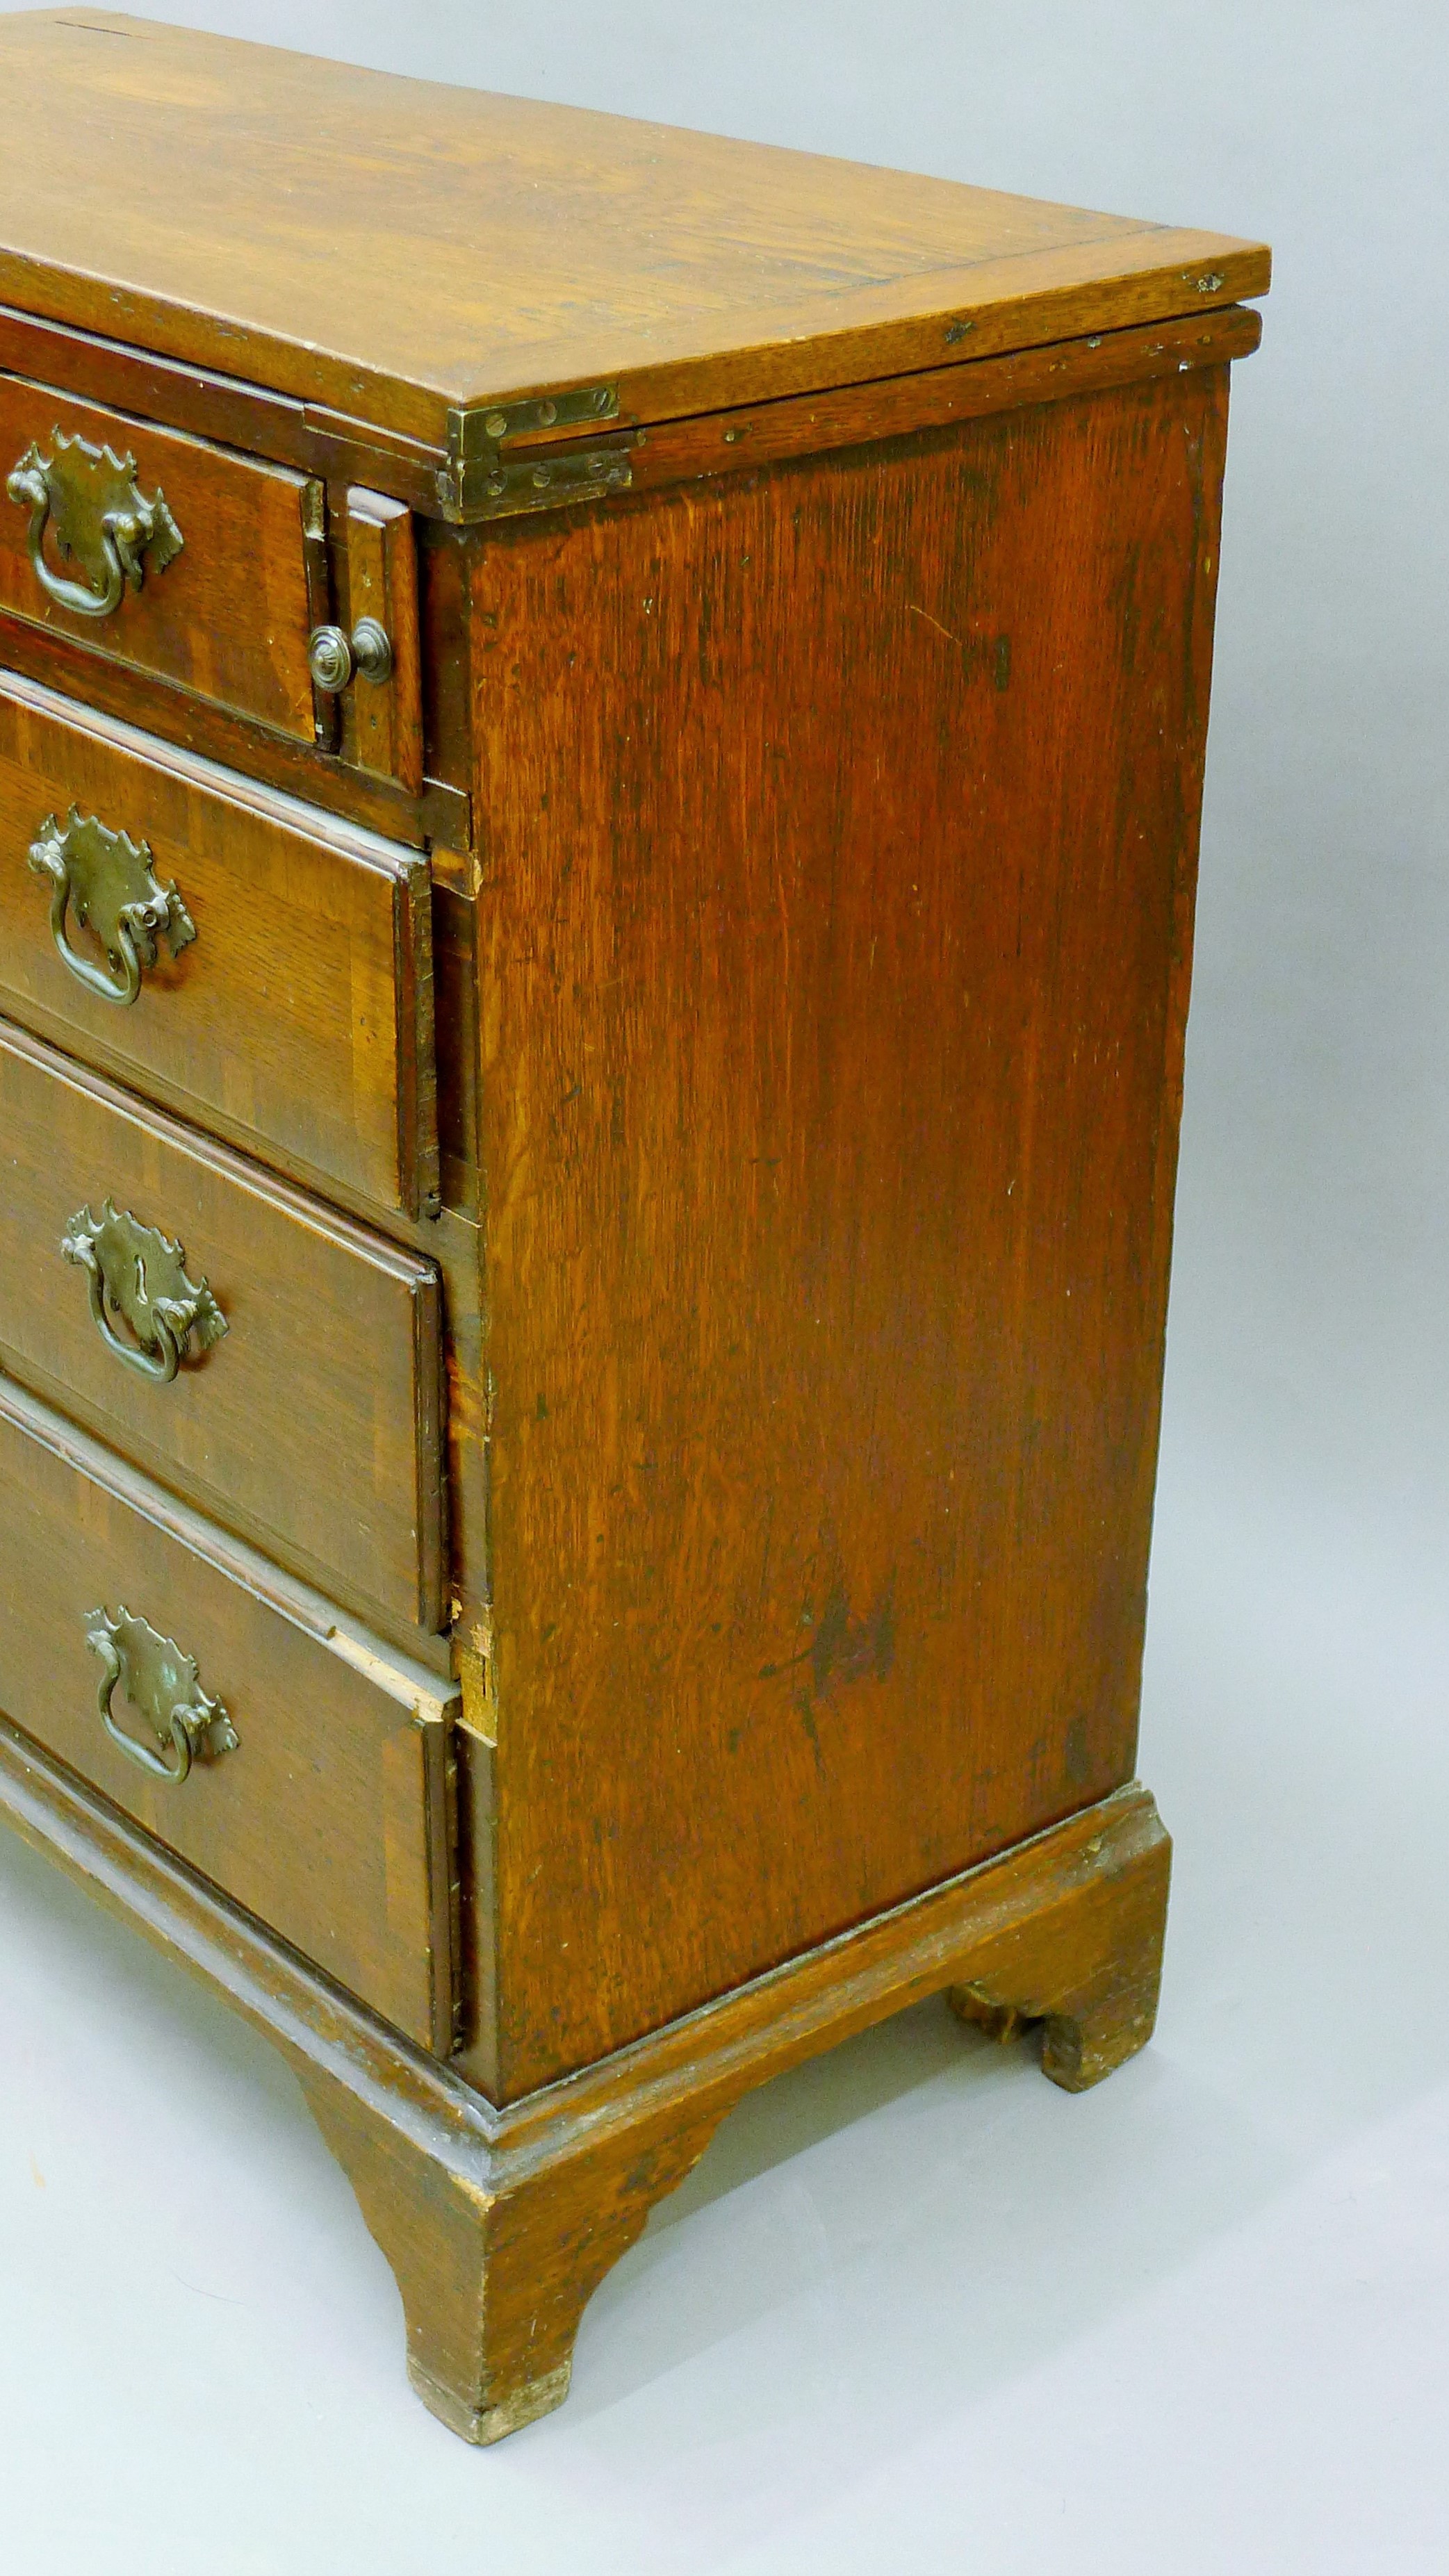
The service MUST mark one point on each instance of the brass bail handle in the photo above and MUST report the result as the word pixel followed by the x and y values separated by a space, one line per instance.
pixel 107 883
pixel 89 499
pixel 163 1686
pixel 137 1274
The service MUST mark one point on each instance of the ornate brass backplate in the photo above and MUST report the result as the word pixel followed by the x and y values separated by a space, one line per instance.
pixel 163 1686
pixel 101 520
pixel 138 1275
pixel 109 882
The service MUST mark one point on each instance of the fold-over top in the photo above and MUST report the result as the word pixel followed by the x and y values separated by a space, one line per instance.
pixel 396 250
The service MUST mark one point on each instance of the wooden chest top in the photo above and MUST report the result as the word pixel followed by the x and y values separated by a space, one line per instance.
pixel 399 250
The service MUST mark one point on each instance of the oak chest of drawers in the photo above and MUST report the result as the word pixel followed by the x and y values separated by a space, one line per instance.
pixel 600 748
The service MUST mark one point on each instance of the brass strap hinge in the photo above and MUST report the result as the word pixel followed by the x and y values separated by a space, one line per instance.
pixel 480 482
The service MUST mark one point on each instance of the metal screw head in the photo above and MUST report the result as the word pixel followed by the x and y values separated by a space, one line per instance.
pixel 548 413
pixel 496 424
pixel 540 477
pixel 496 486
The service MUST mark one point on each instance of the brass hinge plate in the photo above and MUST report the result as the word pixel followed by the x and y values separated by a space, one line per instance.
pixel 480 482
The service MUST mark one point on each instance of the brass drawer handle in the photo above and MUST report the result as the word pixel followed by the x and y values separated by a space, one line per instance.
pixel 135 1273
pixel 334 657
pixel 164 1688
pixel 110 884
pixel 101 520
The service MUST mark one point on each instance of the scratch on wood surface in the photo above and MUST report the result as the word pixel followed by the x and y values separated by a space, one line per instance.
pixel 913 611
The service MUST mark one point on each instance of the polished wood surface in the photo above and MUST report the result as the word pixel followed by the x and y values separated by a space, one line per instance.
pixel 391 248
pixel 691 1201
pixel 164 708
pixel 499 2225
pixel 863 415
pixel 313 1427
pixel 833 1014
pixel 382 721
pixel 299 1022
pixel 230 617
pixel 328 1820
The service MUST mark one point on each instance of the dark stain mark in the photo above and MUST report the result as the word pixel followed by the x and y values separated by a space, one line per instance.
pixel 804 1710
pixel 540 1410
pixel 852 1652
pixel 843 1649
pixel 957 331
pixel 1002 662
pixel 1078 1753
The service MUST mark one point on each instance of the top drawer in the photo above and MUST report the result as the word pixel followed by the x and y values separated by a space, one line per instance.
pixel 181 559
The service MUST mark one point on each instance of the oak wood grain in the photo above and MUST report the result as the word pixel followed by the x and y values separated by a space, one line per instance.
pixel 223 408
pixel 163 708
pixel 853 415
pixel 831 1014
pixel 500 2225
pixel 299 1021
pixel 229 618
pixel 313 1426
pixel 393 248
pixel 325 1821
pixel 383 720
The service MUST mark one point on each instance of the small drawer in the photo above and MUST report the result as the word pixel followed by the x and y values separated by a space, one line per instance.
pixel 300 1767
pixel 235 954
pixel 203 567
pixel 267 1358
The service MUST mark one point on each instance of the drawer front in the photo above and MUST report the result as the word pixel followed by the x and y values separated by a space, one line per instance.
pixel 281 988
pixel 157 550
pixel 303 1405
pixel 328 1816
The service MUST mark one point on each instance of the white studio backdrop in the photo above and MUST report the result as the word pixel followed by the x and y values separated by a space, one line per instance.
pixel 917 2310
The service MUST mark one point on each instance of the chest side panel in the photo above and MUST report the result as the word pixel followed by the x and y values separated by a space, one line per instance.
pixel 838 832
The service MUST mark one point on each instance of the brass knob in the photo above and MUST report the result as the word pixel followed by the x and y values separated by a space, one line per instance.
pixel 335 658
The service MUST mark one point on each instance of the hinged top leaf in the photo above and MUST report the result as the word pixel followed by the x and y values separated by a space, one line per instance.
pixel 397 249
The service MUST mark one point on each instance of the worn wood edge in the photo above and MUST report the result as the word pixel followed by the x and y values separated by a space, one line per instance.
pixel 236 1553
pixel 939 398
pixel 499 2224
pixel 275 805
pixel 1013 301
pixel 154 1090
pixel 727 2047
pixel 168 712
pixel 1162 272
pixel 226 409
pixel 429 1463
pixel 863 1975
pixel 725 441
pixel 240 1171
pixel 1155 273
pixel 419 1159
